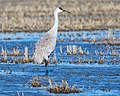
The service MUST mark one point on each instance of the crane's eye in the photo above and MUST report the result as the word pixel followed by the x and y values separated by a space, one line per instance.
pixel 60 8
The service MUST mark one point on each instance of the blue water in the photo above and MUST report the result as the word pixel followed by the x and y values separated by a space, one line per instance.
pixel 94 79
pixel 91 79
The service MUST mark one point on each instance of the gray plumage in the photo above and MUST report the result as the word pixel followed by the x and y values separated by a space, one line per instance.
pixel 45 46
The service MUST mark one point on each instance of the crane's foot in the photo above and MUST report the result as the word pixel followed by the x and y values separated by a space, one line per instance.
pixel 46 72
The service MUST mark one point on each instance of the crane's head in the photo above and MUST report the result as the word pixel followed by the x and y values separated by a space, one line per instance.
pixel 60 9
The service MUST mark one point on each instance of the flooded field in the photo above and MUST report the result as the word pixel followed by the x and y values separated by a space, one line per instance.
pixel 33 15
pixel 90 60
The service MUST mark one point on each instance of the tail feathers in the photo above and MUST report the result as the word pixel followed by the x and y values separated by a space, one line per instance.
pixel 37 59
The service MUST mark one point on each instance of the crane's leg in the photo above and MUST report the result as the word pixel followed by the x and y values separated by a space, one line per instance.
pixel 46 65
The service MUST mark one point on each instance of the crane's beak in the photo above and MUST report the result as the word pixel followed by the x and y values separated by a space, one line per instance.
pixel 66 11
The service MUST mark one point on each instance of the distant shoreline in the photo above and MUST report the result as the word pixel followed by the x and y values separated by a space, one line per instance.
pixel 58 30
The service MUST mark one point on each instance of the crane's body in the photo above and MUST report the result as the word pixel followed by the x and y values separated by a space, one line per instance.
pixel 48 41
pixel 46 44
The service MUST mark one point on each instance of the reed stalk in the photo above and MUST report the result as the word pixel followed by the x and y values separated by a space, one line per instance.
pixel 26 58
pixel 74 50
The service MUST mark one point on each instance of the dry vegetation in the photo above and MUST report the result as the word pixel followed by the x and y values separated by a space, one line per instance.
pixel 37 15
pixel 63 88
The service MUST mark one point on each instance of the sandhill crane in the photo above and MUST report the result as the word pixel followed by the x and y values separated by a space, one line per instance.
pixel 46 44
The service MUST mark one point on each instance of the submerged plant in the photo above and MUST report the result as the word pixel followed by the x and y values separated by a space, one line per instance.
pixel 16 52
pixel 60 49
pixel 92 39
pixel 4 54
pixel 72 39
pixel 101 53
pixel 91 60
pixel 19 94
pixel 35 82
pixel 86 52
pixel 109 33
pixel 69 50
pixel 26 58
pixel 63 88
pixel 54 60
pixel 3 51
pixel 114 53
pixel 74 49
pixel 96 52
pixel 110 38
pixel 80 51
pixel 84 37
pixel 101 61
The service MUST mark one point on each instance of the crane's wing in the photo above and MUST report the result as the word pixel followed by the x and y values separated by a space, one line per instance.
pixel 44 47
pixel 42 40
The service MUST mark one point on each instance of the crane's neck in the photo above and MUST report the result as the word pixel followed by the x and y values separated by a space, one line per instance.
pixel 55 26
